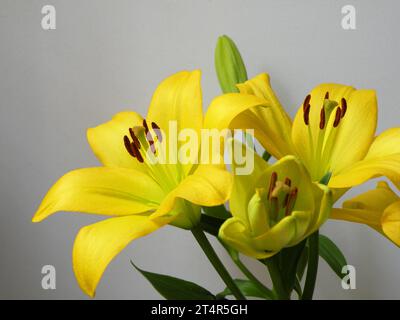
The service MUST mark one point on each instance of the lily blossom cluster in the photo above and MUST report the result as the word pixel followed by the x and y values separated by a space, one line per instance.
pixel 156 171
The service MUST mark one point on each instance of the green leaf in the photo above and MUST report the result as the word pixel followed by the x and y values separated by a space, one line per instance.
pixel 229 65
pixel 172 288
pixel 219 212
pixel 211 224
pixel 332 255
pixel 266 156
pixel 248 289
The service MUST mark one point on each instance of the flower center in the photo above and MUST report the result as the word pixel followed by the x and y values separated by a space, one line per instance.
pixel 331 115
pixel 145 145
pixel 142 141
pixel 281 197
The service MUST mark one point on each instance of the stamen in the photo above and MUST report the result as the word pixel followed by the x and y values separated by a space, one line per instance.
pixel 338 116
pixel 156 129
pixel 128 146
pixel 306 102
pixel 134 138
pixel 149 137
pixel 343 103
pixel 326 95
pixel 151 143
pixel 274 206
pixel 137 153
pixel 274 178
pixel 306 114
pixel 322 119
pixel 291 201
pixel 146 128
pixel 288 182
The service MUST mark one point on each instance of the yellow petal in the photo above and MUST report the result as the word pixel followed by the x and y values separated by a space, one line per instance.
pixel 275 134
pixel 367 208
pixel 106 140
pixel 356 130
pixel 225 108
pixel 278 237
pixel 391 222
pixel 244 186
pixel 178 101
pixel 97 244
pixel 382 159
pixel 102 190
pixel 378 208
pixel 370 218
pixel 373 200
pixel 236 234
pixel 300 131
pixel 208 186
pixel 178 98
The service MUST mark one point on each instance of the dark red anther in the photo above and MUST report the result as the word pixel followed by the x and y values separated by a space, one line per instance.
pixel 157 130
pixel 272 182
pixel 322 119
pixel 134 138
pixel 326 95
pixel 338 116
pixel 152 146
pixel 128 147
pixel 306 102
pixel 288 182
pixel 137 152
pixel 343 103
pixel 146 128
pixel 306 115
pixel 291 201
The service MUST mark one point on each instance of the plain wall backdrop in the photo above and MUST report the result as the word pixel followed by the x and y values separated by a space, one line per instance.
pixel 108 56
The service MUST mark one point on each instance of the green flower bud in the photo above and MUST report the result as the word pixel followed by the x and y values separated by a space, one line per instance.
pixel 229 65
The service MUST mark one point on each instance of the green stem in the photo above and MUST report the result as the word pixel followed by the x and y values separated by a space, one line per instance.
pixel 216 262
pixel 276 277
pixel 247 272
pixel 312 268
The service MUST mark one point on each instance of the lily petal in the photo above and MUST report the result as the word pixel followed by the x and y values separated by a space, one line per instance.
pixel 378 208
pixel 225 108
pixel 391 222
pixel 244 186
pixel 102 190
pixel 275 135
pixel 235 233
pixel 106 140
pixel 178 98
pixel 279 236
pixel 208 186
pixel 356 130
pixel 96 246
pixel 382 159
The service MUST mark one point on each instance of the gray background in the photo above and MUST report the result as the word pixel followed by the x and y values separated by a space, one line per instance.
pixel 106 56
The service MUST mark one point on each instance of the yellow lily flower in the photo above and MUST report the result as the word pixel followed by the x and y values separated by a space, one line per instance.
pixel 378 208
pixel 140 196
pixel 277 206
pixel 332 133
